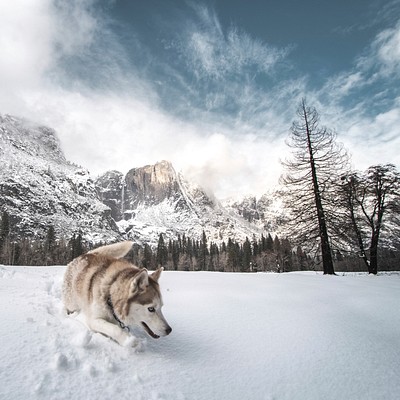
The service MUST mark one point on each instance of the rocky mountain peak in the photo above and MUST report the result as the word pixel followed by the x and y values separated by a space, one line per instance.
pixel 24 137
pixel 150 184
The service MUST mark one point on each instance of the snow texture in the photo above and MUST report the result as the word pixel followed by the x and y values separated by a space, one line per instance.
pixel 38 187
pixel 235 336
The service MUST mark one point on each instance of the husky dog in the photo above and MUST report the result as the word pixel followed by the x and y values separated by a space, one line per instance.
pixel 113 294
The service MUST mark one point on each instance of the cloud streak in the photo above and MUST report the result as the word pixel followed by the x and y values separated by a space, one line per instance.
pixel 215 101
pixel 212 53
pixel 364 102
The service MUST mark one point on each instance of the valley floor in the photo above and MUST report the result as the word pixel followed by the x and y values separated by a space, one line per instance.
pixel 235 336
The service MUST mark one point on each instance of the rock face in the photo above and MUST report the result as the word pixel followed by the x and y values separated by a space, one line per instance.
pixel 110 188
pixel 150 185
pixel 39 188
pixel 266 212
pixel 246 208
pixel 155 199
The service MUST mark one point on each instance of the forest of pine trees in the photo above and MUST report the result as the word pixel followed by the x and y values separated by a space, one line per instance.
pixel 257 254
pixel 186 254
pixel 48 251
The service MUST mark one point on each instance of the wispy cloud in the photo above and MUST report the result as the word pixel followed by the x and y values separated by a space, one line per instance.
pixel 364 101
pixel 228 74
pixel 212 53
pixel 387 49
pixel 215 101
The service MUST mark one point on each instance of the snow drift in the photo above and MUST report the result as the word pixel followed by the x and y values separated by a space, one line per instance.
pixel 235 336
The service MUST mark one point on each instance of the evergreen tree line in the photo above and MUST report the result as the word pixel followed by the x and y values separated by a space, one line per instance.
pixel 47 251
pixel 184 253
pixel 264 254
pixel 187 254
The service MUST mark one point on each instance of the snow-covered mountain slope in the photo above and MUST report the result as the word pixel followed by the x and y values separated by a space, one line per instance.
pixel 155 199
pixel 235 336
pixel 39 188
pixel 267 212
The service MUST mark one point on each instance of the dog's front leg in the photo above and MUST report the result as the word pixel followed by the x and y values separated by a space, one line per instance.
pixel 111 330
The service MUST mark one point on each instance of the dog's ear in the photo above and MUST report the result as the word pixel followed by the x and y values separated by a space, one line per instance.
pixel 156 274
pixel 140 282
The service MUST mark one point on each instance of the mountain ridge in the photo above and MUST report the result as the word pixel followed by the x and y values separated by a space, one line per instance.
pixel 39 188
pixel 168 201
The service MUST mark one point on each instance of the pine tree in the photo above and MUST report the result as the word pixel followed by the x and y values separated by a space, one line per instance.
pixel 246 260
pixel 162 252
pixel 233 259
pixel 76 245
pixel 147 261
pixel 49 246
pixel 5 228
pixel 256 247
pixel 269 243
pixel 311 183
pixel 203 253
pixel 175 254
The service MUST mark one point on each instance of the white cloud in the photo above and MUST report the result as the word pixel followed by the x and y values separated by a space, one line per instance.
pixel 35 36
pixel 378 65
pixel 122 129
pixel 77 26
pixel 26 31
pixel 232 132
pixel 115 132
pixel 230 166
pixel 363 103
pixel 375 140
pixel 387 45
pixel 212 53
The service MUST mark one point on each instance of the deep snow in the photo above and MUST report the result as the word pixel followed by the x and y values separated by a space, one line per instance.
pixel 235 336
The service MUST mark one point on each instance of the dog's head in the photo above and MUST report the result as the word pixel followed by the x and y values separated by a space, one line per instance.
pixel 146 303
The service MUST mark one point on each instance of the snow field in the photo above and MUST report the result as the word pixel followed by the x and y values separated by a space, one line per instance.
pixel 235 336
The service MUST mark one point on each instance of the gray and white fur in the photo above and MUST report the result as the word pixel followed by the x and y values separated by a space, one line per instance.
pixel 114 294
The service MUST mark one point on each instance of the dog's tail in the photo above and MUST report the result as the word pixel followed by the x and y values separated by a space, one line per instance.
pixel 116 250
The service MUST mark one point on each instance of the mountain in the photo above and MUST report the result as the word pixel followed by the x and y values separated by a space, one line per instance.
pixel 156 199
pixel 39 187
pixel 266 212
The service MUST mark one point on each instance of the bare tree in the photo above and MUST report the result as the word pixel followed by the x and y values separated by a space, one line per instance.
pixel 372 201
pixel 310 183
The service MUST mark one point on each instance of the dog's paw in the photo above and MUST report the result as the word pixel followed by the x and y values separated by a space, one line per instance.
pixel 131 341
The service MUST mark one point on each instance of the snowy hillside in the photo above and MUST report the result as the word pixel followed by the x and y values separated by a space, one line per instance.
pixel 39 188
pixel 267 212
pixel 258 336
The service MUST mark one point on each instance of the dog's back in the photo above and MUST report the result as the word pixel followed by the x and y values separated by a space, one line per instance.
pixel 116 250
pixel 81 273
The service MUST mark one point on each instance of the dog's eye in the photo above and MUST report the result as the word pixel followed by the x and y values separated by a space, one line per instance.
pixel 151 309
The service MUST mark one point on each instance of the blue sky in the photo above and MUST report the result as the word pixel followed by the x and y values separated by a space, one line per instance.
pixel 212 86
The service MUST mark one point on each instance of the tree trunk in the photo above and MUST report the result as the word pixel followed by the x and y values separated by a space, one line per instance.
pixel 357 232
pixel 373 255
pixel 327 261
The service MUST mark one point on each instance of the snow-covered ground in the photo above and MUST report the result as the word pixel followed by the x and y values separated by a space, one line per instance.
pixel 235 336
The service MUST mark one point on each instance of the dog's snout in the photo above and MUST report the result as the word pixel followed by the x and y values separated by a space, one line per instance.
pixel 168 330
